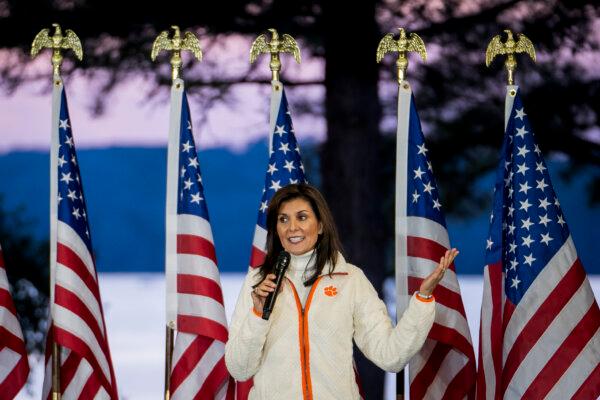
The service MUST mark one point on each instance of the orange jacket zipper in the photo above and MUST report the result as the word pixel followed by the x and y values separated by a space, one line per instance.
pixel 303 338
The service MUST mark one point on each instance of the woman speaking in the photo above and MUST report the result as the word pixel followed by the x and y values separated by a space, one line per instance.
pixel 304 349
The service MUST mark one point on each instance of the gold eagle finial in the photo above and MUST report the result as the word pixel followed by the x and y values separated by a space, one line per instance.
pixel 510 48
pixel 176 45
pixel 403 45
pixel 286 44
pixel 57 43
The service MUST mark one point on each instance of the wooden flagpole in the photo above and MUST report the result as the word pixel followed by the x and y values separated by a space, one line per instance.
pixel 169 340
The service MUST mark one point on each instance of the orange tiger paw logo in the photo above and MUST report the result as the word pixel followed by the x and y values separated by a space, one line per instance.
pixel 330 291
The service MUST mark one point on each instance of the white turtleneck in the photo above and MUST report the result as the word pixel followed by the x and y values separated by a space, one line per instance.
pixel 302 268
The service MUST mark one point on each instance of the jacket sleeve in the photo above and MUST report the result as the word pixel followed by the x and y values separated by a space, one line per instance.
pixel 389 347
pixel 247 335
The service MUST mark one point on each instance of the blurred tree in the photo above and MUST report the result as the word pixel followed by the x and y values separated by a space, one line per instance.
pixel 460 101
pixel 26 262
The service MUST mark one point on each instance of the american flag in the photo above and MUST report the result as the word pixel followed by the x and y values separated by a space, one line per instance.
pixel 285 167
pixel 445 366
pixel 539 319
pixel 14 367
pixel 198 363
pixel 77 326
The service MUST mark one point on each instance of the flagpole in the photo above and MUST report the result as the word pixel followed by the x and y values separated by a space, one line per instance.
pixel 402 46
pixel 176 45
pixel 277 45
pixel 276 93
pixel 511 92
pixel 57 89
pixel 55 371
pixel 401 259
pixel 171 228
pixel 509 48
pixel 169 340
pixel 58 43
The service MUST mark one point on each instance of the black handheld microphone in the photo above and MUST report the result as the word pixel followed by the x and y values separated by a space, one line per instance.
pixel 282 263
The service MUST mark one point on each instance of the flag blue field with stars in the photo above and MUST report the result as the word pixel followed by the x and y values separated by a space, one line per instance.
pixel 190 188
pixel 285 167
pixel 71 201
pixel 422 194
pixel 527 225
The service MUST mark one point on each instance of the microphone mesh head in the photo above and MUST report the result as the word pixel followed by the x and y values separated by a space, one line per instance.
pixel 283 260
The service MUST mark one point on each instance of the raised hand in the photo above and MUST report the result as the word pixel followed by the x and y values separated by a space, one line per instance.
pixel 436 276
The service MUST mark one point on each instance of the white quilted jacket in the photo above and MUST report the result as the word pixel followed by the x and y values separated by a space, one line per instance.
pixel 307 354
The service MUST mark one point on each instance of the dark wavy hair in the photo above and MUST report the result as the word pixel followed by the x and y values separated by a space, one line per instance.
pixel 328 243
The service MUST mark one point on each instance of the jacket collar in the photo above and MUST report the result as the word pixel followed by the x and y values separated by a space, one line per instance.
pixel 341 266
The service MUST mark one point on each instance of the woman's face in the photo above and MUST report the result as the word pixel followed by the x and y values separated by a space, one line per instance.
pixel 297 226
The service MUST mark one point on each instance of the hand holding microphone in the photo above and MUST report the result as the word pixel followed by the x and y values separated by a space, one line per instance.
pixel 265 294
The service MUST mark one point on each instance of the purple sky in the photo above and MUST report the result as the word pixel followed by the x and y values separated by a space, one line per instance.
pixel 131 119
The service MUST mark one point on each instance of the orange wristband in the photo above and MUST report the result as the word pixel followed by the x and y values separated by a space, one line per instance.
pixel 257 313
pixel 424 299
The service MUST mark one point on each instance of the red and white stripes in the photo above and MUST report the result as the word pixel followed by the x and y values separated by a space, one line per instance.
pixel 78 324
pixel 199 370
pixel 445 367
pixel 546 346
pixel 259 244
pixel 14 367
